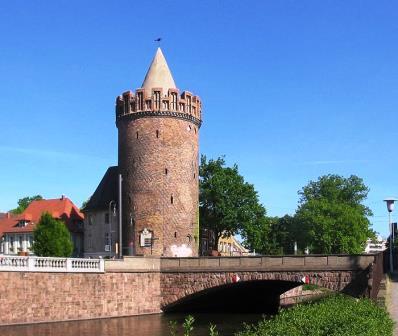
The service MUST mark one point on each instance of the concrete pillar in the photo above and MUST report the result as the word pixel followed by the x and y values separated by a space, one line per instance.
pixel 6 246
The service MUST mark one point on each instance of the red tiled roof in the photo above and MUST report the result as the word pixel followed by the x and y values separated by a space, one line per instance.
pixel 60 208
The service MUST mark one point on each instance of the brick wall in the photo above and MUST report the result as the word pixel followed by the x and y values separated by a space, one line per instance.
pixel 158 159
pixel 43 297
pixel 176 286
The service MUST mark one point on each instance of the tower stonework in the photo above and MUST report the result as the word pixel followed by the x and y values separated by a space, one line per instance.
pixel 158 158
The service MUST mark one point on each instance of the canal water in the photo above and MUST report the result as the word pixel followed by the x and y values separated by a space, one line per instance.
pixel 144 325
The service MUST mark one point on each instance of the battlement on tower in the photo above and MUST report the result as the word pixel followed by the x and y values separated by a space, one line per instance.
pixel 155 102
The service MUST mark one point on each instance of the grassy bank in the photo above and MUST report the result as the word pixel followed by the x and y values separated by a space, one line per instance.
pixel 336 315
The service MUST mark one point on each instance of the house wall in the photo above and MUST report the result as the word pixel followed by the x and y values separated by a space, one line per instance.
pixel 13 243
pixel 96 232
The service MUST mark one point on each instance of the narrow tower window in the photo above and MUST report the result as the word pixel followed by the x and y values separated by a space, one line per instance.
pixel 171 199
pixel 157 133
pixel 165 171
pixel 175 234
pixel 136 134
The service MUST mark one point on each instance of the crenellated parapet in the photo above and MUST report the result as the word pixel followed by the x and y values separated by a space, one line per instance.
pixel 156 103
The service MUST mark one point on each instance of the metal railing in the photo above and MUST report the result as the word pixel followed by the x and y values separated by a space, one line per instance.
pixel 50 264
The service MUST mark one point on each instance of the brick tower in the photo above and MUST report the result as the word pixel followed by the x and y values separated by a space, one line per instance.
pixel 158 159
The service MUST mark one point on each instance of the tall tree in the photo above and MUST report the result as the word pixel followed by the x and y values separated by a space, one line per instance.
pixel 51 238
pixel 276 235
pixel 228 204
pixel 23 203
pixel 333 216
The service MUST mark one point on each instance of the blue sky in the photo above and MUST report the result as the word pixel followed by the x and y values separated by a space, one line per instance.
pixel 291 90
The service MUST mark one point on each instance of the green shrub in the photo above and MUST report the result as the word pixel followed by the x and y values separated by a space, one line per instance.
pixel 336 315
pixel 310 287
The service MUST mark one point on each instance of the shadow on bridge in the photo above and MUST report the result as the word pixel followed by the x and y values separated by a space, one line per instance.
pixel 257 296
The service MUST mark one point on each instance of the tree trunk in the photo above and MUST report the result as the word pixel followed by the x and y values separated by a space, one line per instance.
pixel 217 236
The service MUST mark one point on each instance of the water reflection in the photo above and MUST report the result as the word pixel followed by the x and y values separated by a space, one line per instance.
pixel 147 325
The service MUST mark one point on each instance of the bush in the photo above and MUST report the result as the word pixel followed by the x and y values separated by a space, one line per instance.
pixel 336 315
pixel 51 238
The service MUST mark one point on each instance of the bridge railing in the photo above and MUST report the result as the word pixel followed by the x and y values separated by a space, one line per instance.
pixel 50 264
pixel 310 262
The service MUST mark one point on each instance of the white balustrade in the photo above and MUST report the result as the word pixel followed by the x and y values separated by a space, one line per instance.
pixel 50 264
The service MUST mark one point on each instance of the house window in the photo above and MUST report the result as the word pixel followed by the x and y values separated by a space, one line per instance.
pixel 22 223
pixel 30 241
pixel 107 238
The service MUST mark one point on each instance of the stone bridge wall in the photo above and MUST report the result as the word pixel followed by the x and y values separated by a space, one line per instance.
pixel 182 277
pixel 29 297
pixel 146 285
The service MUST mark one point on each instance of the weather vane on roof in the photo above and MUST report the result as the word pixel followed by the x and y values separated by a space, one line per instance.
pixel 158 41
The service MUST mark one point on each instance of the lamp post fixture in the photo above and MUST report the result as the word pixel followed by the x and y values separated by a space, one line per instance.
pixel 112 211
pixel 390 208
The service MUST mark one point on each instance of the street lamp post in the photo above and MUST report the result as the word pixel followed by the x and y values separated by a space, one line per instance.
pixel 390 207
pixel 111 204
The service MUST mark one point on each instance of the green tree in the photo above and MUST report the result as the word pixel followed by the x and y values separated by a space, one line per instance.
pixel 227 204
pixel 23 203
pixel 332 215
pixel 51 238
pixel 275 235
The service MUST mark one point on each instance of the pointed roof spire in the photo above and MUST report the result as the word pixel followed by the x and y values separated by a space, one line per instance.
pixel 159 75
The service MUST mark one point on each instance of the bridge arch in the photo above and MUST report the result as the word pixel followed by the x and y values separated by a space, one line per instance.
pixel 201 291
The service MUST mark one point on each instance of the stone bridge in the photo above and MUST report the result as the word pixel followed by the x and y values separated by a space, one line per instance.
pixel 258 282
pixel 206 283
pixel 142 285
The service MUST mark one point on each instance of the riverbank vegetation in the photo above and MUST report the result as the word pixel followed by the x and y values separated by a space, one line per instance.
pixel 336 315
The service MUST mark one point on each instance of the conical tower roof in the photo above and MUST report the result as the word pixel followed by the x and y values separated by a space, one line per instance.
pixel 159 75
